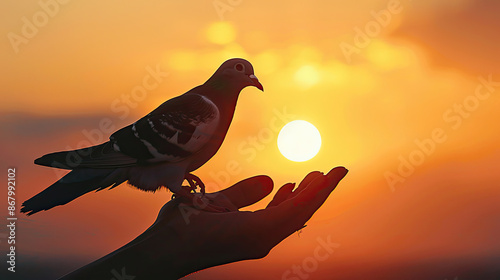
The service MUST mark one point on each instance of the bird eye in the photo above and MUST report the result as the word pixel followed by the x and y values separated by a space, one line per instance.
pixel 239 67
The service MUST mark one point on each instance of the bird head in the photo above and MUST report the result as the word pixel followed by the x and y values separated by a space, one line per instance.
pixel 235 73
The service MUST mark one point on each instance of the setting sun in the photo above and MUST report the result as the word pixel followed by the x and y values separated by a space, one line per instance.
pixel 299 141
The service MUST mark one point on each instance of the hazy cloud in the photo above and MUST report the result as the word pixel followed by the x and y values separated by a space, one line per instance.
pixel 464 37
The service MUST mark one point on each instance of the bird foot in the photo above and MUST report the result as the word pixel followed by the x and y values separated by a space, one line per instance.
pixel 195 181
pixel 186 196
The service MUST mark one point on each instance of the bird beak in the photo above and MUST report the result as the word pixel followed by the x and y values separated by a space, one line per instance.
pixel 256 82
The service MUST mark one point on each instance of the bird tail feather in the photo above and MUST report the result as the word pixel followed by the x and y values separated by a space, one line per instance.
pixel 73 185
pixel 100 156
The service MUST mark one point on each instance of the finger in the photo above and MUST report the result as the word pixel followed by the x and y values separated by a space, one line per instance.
pixel 337 173
pixel 306 181
pixel 291 215
pixel 322 188
pixel 282 194
pixel 249 191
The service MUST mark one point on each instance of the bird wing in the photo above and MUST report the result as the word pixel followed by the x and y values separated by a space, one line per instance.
pixel 172 132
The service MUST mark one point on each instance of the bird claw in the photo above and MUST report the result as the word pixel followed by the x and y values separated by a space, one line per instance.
pixel 195 181
pixel 185 192
pixel 189 197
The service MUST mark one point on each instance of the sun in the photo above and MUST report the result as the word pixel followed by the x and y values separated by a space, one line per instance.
pixel 299 141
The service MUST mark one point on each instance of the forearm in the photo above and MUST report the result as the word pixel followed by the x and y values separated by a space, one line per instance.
pixel 149 256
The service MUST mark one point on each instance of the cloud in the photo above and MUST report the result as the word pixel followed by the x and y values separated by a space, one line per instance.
pixel 25 135
pixel 30 125
pixel 463 37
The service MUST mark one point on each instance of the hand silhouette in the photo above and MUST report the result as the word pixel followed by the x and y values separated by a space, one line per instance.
pixel 184 239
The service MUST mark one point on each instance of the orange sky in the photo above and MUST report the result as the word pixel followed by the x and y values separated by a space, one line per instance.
pixel 376 90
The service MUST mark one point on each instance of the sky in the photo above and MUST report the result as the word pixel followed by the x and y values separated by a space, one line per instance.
pixel 405 94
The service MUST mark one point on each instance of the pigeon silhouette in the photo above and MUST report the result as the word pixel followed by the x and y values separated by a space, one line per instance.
pixel 159 150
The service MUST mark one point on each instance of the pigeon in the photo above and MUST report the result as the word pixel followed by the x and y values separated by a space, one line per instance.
pixel 159 150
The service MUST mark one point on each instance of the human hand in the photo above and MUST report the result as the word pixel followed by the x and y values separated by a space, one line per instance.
pixel 206 239
pixel 185 239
